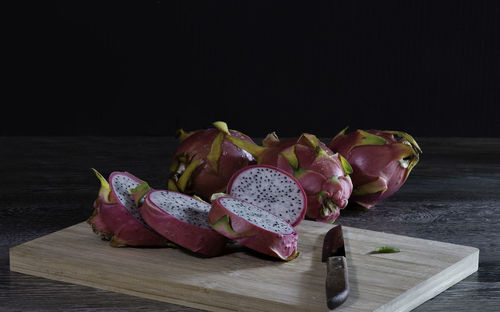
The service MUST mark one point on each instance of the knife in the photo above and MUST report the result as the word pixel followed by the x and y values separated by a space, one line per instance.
pixel 337 284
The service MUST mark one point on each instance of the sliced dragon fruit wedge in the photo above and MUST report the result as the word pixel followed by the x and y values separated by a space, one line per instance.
pixel 253 227
pixel 183 220
pixel 272 189
pixel 116 217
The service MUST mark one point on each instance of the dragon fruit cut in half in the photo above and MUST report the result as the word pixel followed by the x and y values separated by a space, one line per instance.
pixel 253 227
pixel 271 189
pixel 183 220
pixel 323 174
pixel 116 217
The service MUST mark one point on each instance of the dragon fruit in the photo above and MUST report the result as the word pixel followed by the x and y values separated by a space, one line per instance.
pixel 272 189
pixel 116 218
pixel 253 227
pixel 381 162
pixel 183 220
pixel 205 161
pixel 324 175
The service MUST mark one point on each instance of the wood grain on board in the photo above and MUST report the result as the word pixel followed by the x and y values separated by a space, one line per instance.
pixel 244 281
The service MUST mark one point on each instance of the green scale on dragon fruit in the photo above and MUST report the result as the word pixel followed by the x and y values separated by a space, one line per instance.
pixel 183 220
pixel 272 189
pixel 254 227
pixel 116 217
pixel 323 175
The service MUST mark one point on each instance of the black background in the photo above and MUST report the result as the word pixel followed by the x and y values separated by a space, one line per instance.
pixel 431 68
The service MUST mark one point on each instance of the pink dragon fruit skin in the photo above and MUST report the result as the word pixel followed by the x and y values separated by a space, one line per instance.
pixel 381 162
pixel 235 219
pixel 119 224
pixel 205 161
pixel 183 220
pixel 323 175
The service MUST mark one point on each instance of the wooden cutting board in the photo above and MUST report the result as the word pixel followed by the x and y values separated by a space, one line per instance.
pixel 245 281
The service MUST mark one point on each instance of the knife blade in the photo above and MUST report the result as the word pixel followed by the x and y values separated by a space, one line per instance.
pixel 337 283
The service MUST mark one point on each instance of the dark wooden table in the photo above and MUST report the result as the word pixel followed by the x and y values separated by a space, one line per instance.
pixel 453 195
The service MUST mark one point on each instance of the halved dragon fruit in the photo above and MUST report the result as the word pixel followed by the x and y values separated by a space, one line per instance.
pixel 272 189
pixel 253 227
pixel 116 218
pixel 183 220
pixel 324 175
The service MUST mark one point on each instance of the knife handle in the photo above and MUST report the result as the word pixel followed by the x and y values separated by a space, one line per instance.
pixel 337 283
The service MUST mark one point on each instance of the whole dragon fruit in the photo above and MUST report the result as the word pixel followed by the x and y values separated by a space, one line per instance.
pixel 205 161
pixel 183 220
pixel 253 227
pixel 381 162
pixel 271 189
pixel 323 175
pixel 116 218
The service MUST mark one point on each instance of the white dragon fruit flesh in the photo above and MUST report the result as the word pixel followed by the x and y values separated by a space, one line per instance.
pixel 272 189
pixel 116 217
pixel 253 227
pixel 183 220
pixel 323 174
